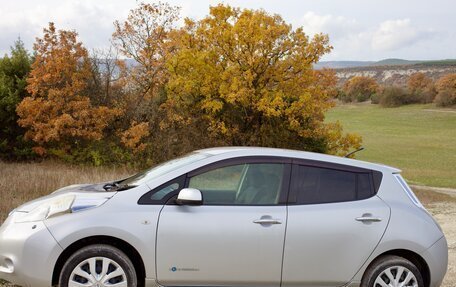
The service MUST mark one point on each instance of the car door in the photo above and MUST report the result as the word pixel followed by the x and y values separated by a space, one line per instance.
pixel 335 221
pixel 236 237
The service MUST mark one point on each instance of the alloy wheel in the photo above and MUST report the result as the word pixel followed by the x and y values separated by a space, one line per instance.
pixel 98 272
pixel 396 276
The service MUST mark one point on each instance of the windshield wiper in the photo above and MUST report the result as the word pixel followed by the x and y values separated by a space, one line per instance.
pixel 111 186
pixel 115 186
pixel 124 187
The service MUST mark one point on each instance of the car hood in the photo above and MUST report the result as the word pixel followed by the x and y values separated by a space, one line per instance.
pixel 83 191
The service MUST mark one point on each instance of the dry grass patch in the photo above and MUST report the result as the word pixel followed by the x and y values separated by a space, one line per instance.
pixel 429 196
pixel 21 182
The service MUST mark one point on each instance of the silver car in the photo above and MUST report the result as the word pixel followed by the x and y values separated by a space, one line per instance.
pixel 230 217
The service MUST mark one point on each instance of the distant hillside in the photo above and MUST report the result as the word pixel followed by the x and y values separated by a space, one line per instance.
pixel 341 64
pixel 398 74
pixel 385 62
pixel 395 62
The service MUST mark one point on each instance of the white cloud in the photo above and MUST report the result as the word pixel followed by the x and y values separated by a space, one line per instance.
pixel 352 40
pixel 335 26
pixel 396 34
pixel 93 20
pixel 357 33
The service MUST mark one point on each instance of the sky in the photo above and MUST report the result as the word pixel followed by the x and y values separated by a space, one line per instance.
pixel 363 30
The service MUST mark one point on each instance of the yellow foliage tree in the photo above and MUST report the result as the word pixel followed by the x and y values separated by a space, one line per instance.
pixel 250 77
pixel 59 112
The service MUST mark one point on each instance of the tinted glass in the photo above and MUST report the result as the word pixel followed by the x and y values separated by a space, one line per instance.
pixel 322 185
pixel 246 184
pixel 162 192
pixel 365 188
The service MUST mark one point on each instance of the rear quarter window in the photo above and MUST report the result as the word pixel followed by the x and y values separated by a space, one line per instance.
pixel 314 185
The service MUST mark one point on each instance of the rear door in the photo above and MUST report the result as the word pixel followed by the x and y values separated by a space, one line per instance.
pixel 335 221
pixel 236 237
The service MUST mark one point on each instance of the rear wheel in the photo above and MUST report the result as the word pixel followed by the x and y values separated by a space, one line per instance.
pixel 392 271
pixel 99 266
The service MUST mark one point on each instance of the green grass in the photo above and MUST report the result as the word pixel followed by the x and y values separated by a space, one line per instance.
pixel 419 139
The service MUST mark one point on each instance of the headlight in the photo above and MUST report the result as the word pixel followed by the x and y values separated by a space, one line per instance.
pixel 60 205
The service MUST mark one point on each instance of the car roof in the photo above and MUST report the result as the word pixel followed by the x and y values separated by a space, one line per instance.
pixel 237 151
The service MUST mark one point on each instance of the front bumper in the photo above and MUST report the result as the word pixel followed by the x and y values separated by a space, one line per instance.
pixel 28 253
pixel 436 257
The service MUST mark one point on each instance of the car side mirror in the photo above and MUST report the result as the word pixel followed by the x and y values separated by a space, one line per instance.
pixel 189 196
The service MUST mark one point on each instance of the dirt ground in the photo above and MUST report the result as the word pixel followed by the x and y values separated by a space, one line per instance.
pixel 445 214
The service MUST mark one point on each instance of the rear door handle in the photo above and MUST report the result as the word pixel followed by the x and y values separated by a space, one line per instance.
pixel 368 219
pixel 267 221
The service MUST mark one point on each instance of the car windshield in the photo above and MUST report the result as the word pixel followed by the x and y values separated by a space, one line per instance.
pixel 162 169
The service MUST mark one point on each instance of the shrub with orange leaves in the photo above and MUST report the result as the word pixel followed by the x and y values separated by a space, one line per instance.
pixel 359 89
pixel 446 90
pixel 58 111
pixel 421 87
pixel 132 137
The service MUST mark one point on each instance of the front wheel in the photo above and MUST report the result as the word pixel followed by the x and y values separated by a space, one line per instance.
pixel 99 266
pixel 392 271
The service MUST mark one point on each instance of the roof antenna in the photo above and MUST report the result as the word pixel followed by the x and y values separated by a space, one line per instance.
pixel 355 151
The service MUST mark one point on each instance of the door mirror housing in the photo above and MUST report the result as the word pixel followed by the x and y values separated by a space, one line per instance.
pixel 189 196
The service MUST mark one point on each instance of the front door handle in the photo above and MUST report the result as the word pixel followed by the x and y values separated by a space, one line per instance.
pixel 267 221
pixel 368 219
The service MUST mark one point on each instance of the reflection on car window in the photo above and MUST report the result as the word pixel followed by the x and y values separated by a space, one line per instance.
pixel 160 194
pixel 163 168
pixel 246 184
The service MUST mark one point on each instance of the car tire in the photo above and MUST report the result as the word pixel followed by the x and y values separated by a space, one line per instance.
pixel 98 264
pixel 392 269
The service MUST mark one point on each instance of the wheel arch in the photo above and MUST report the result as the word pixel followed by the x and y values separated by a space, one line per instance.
pixel 413 257
pixel 122 245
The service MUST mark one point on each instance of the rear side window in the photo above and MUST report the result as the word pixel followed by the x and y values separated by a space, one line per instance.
pixel 313 185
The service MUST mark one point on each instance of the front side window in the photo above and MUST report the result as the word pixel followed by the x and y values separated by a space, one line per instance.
pixel 315 185
pixel 164 192
pixel 244 184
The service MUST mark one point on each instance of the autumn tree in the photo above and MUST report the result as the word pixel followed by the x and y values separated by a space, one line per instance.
pixel 446 90
pixel 14 70
pixel 421 87
pixel 248 76
pixel 106 84
pixel 144 38
pixel 359 89
pixel 59 112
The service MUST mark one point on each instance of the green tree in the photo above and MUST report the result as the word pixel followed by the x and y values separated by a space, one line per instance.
pixel 14 70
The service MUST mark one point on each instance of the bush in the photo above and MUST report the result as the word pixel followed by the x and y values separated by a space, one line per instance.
pixel 395 96
pixel 359 89
pixel 375 98
pixel 421 87
pixel 445 98
pixel 446 91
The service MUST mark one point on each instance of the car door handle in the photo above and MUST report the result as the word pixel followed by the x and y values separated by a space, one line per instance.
pixel 267 221
pixel 368 219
